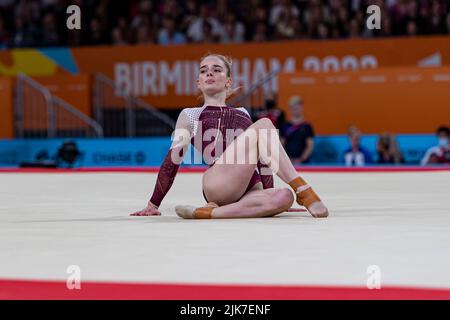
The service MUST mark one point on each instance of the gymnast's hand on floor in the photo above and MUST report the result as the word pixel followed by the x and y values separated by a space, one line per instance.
pixel 150 210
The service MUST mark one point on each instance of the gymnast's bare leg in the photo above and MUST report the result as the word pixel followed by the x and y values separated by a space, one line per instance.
pixel 225 183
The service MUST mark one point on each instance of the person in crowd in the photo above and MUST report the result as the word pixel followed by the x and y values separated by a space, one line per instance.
pixel 439 154
pixel 298 134
pixel 356 154
pixel 169 34
pixel 388 151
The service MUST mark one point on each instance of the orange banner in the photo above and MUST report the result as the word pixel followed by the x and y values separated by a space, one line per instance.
pixel 6 109
pixel 76 90
pixel 165 76
pixel 397 100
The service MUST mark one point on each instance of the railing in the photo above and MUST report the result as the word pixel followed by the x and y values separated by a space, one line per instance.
pixel 121 114
pixel 38 114
pixel 254 98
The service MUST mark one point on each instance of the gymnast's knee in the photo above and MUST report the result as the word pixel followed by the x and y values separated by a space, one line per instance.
pixel 265 123
pixel 282 199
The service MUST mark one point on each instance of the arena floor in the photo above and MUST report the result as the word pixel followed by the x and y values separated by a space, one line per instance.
pixel 397 221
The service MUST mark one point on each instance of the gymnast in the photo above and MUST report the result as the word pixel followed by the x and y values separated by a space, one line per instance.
pixel 241 158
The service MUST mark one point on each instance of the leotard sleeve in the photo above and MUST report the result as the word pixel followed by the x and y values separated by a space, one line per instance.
pixel 169 168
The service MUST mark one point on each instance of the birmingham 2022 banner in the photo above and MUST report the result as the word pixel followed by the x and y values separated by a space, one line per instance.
pixel 165 76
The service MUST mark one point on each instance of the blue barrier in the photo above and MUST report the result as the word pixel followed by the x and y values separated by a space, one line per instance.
pixel 151 151
pixel 330 149
pixel 94 152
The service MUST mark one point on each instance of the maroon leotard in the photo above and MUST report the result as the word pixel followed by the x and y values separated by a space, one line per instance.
pixel 218 118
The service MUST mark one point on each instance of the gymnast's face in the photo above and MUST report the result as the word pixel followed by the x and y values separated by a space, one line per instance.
pixel 213 76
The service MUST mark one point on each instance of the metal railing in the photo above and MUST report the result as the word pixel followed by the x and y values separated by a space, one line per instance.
pixel 38 114
pixel 122 114
pixel 254 98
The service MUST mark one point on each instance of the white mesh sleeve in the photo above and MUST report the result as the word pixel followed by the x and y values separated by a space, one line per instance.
pixel 245 111
pixel 182 134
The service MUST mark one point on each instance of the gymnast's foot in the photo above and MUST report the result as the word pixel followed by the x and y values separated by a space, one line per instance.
pixel 318 209
pixel 191 212
pixel 308 198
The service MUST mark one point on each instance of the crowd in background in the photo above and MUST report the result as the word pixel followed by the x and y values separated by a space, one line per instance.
pixel 28 23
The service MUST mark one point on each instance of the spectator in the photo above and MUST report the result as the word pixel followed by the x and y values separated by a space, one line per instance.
pixel 423 19
pixel 190 14
pixel 387 149
pixel 222 11
pixel 282 7
pixel 96 35
pixel 314 15
pixel 285 26
pixel 50 35
pixel 234 31
pixel 145 13
pixel 411 28
pixel 356 155
pixel 171 8
pixel 208 35
pixel 119 34
pixel 260 34
pixel 25 35
pixel 145 34
pixel 118 37
pixel 197 28
pixel 354 30
pixel 386 30
pixel 168 33
pixel 297 135
pixel 322 32
pixel 437 21
pixel 257 26
pixel 344 21
pixel 439 154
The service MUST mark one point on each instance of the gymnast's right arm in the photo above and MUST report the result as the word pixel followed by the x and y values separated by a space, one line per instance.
pixel 169 168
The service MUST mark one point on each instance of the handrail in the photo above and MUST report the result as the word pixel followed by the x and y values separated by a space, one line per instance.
pixel 51 104
pixel 137 101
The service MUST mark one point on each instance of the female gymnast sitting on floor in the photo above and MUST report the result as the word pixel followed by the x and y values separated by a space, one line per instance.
pixel 241 157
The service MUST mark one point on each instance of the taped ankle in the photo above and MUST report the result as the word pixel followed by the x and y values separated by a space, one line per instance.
pixel 205 212
pixel 305 194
